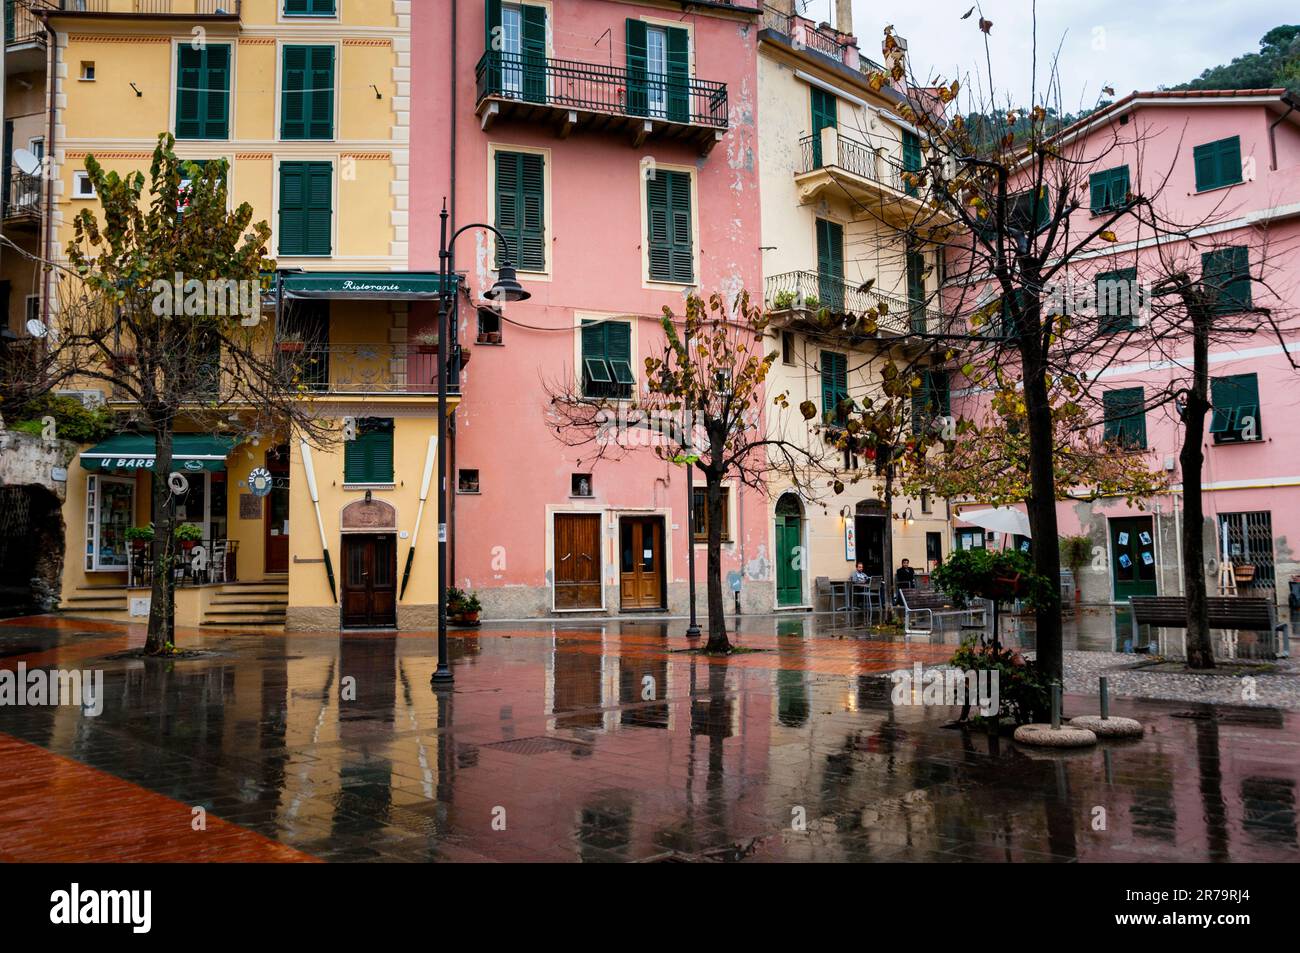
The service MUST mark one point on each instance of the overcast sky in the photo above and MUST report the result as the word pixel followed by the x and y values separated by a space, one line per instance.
pixel 1127 44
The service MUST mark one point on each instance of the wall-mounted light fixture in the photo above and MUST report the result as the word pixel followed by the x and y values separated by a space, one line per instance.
pixel 137 90
pixel 378 94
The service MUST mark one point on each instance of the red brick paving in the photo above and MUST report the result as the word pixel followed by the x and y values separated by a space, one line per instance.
pixel 55 810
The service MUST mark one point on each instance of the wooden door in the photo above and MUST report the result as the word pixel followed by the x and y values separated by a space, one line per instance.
pixel 369 591
pixel 577 561
pixel 1133 557
pixel 640 556
pixel 277 512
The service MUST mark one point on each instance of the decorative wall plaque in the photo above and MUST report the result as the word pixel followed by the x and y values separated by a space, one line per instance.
pixel 374 516
pixel 250 506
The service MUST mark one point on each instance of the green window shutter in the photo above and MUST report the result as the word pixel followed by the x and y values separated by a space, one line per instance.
pixel 1108 189
pixel 521 208
pixel 638 99
pixel 830 264
pixel 824 115
pixel 679 75
pixel 1225 274
pixel 911 156
pixel 1116 304
pixel 668 214
pixel 492 44
pixel 309 8
pixel 1124 419
pixel 1236 411
pixel 306 208
pixel 607 359
pixel 307 93
pixel 916 289
pixel 189 77
pixel 835 381
pixel 533 47
pixel 216 117
pixel 203 92
pixel 369 457
pixel 1217 163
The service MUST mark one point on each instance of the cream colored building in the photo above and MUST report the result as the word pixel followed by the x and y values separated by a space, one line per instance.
pixel 836 214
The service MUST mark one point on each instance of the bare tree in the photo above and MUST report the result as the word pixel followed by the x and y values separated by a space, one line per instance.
pixel 161 302
pixel 702 402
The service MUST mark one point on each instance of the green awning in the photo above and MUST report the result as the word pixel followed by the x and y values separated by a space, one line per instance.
pixel 128 452
pixel 365 285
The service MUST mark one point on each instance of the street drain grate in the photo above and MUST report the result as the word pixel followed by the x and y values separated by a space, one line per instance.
pixel 538 744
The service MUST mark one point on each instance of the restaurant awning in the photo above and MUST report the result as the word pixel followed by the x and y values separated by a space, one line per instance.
pixel 128 452
pixel 364 285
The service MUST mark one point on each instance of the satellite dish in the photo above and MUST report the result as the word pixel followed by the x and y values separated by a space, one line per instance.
pixel 27 163
pixel 36 329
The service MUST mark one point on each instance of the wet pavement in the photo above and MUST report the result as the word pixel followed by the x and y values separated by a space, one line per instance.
pixel 600 742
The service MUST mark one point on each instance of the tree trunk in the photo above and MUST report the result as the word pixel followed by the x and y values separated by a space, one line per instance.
pixel 1041 502
pixel 887 593
pixel 717 621
pixel 1200 650
pixel 162 602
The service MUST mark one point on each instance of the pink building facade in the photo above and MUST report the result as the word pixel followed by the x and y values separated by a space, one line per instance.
pixel 1227 163
pixel 614 144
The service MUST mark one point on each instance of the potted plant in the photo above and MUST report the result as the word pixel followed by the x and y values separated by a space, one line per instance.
pixel 1075 551
pixel 462 607
pixel 992 574
pixel 783 301
pixel 187 534
pixel 426 342
pixel 494 337
pixel 291 344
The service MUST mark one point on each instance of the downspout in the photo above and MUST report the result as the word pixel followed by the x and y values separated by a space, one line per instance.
pixel 1272 137
pixel 51 73
pixel 448 466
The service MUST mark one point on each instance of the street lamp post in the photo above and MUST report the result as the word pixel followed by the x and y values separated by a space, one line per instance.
pixel 507 288
pixel 692 630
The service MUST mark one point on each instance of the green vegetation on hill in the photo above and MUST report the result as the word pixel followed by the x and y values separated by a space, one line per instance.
pixel 1276 64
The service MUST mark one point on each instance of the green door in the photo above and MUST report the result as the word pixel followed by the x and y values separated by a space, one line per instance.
pixel 789 552
pixel 1133 557
pixel 823 115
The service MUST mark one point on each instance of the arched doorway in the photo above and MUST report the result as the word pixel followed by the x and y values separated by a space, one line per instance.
pixel 870 523
pixel 789 551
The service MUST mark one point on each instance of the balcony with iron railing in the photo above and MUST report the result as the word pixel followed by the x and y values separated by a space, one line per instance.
pixel 836 164
pixel 828 304
pixel 806 34
pixel 569 95
pixel 228 9
pixel 22 199
pixel 363 369
pixel 22 23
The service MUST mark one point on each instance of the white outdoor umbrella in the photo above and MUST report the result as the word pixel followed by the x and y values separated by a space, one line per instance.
pixel 1000 519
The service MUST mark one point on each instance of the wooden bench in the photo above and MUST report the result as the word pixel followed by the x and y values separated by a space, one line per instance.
pixel 1249 613
pixel 929 604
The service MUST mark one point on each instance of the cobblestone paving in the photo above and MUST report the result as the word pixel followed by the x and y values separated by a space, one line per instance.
pixel 601 743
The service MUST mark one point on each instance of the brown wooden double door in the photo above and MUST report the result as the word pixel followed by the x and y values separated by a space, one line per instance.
pixel 577 561
pixel 369 590
pixel 641 562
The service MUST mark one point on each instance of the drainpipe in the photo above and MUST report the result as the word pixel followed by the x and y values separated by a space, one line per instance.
pixel 1272 138
pixel 51 73
pixel 448 466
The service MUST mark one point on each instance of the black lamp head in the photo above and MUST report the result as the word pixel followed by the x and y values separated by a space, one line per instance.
pixel 507 287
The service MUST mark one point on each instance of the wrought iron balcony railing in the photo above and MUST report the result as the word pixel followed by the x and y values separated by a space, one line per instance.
pixel 529 79
pixel 196 562
pixel 171 8
pixel 22 25
pixel 806 33
pixel 812 292
pixel 23 197
pixel 364 368
pixel 851 156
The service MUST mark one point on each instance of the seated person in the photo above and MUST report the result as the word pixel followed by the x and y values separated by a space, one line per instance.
pixel 905 578
pixel 858 577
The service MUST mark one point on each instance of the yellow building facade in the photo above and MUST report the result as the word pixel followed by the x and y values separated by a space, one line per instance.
pixel 308 103
pixel 839 233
